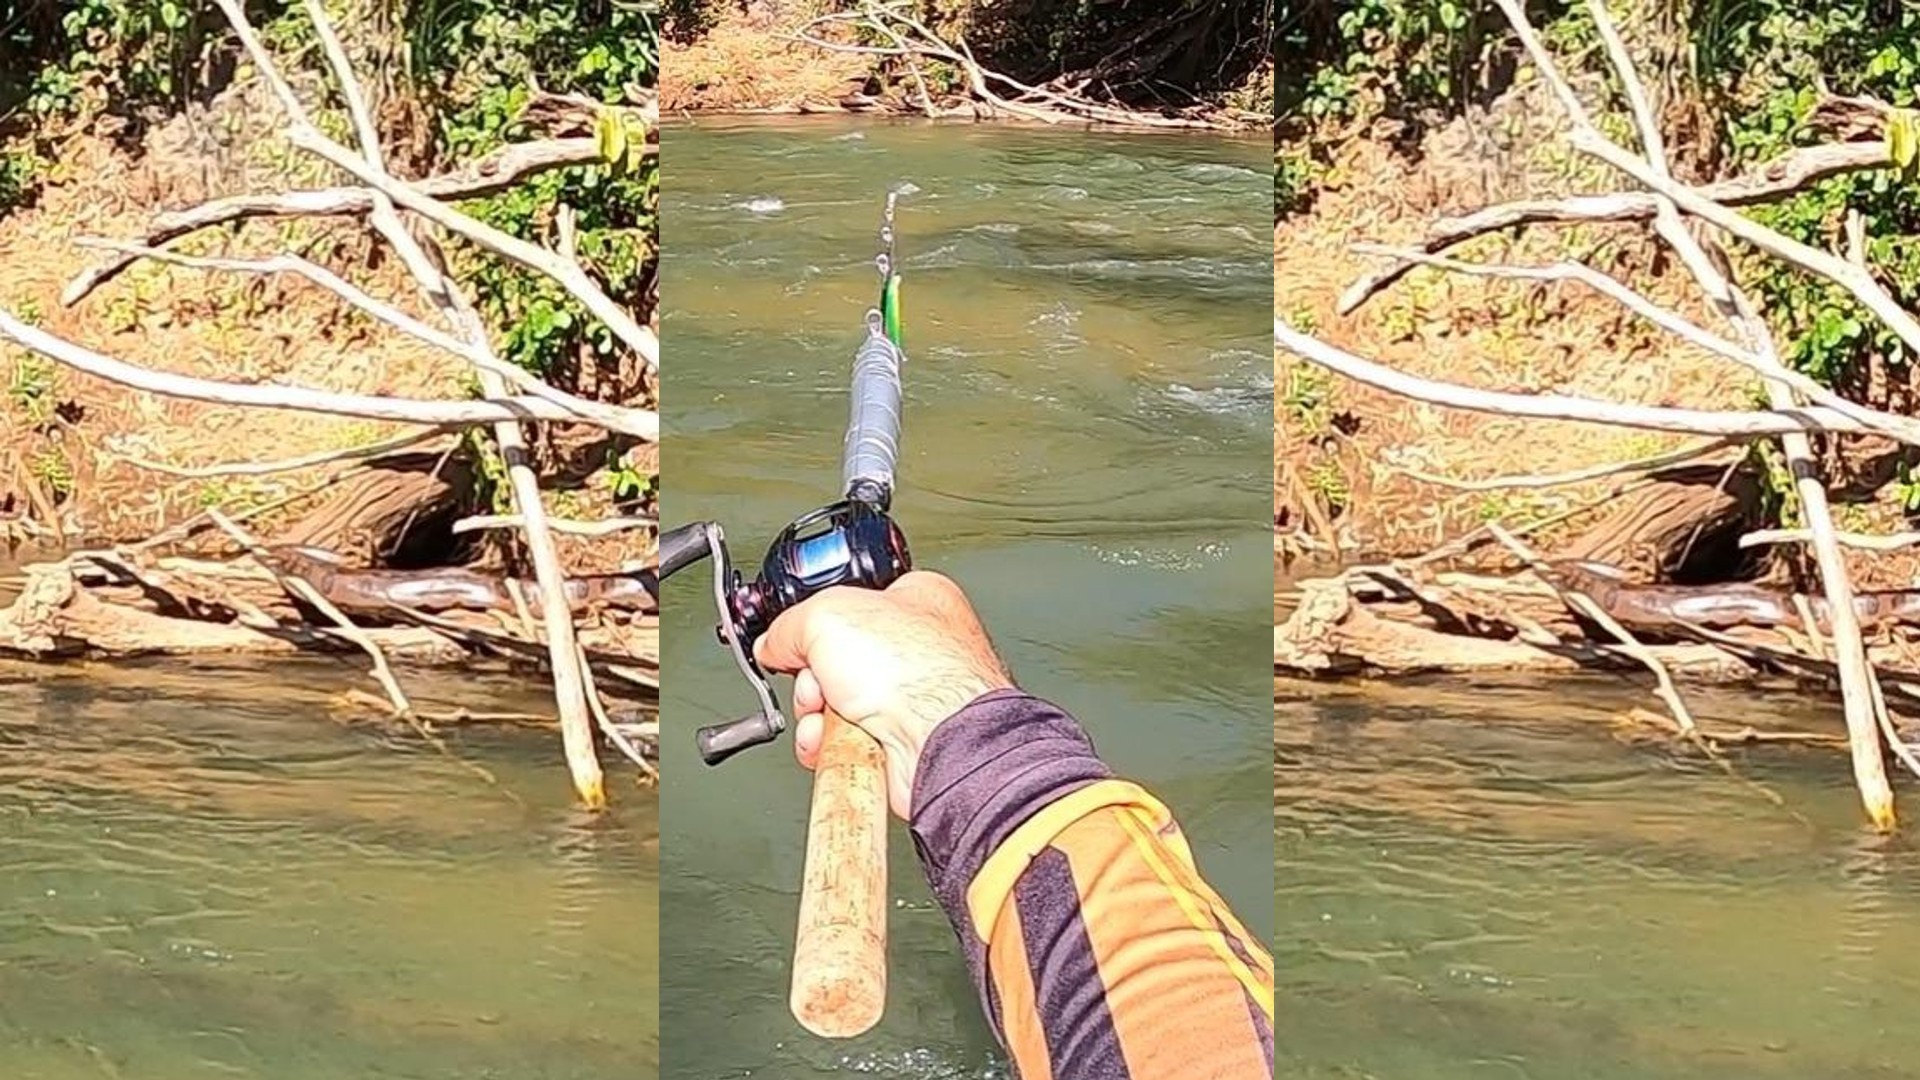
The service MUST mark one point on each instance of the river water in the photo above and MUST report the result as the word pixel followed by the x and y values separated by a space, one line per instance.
pixel 1087 443
pixel 1478 880
pixel 210 873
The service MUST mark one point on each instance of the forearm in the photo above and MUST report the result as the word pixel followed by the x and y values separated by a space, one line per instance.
pixel 1097 950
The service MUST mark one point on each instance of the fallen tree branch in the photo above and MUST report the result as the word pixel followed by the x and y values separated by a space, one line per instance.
pixel 1862 541
pixel 1780 178
pixel 1561 407
pixel 1032 102
pixel 1860 699
pixel 1857 280
pixel 263 468
pixel 1329 633
pixel 371 171
pixel 300 587
pixel 1585 605
pixel 1899 428
pixel 420 411
pixel 571 689
pixel 281 466
pixel 608 728
pixel 490 175
pixel 641 424
pixel 1576 476
pixel 604 527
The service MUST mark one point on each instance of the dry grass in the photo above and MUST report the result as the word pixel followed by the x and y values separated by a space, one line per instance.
pixel 179 320
pixel 743 64
pixel 1499 335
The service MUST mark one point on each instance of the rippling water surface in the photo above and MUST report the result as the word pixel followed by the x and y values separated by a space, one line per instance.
pixel 1480 882
pixel 1087 450
pixel 206 872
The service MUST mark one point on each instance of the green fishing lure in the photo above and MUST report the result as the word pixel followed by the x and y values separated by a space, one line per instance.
pixel 889 281
pixel 890 309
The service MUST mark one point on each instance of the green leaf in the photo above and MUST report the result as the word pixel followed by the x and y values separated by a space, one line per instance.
pixel 1903 141
pixel 610 137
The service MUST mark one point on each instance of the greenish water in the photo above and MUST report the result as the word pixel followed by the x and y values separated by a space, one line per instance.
pixel 1088 444
pixel 206 874
pixel 1476 881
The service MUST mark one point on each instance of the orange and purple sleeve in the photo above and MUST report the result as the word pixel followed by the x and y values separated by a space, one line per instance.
pixel 1098 951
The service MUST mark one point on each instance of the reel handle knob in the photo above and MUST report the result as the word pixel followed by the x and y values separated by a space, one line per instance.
pixel 682 547
pixel 718 742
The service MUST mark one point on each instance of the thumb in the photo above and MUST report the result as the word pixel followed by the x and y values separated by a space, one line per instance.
pixel 807 734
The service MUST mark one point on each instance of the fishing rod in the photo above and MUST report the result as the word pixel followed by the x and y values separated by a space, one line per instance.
pixel 839 967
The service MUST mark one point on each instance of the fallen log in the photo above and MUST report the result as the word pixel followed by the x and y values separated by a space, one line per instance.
pixel 111 606
pixel 1382 621
pixel 1333 632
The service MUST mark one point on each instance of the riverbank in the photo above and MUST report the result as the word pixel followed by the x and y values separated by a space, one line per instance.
pixel 1364 477
pixel 85 459
pixel 275 319
pixel 1363 473
pixel 179 236
pixel 807 57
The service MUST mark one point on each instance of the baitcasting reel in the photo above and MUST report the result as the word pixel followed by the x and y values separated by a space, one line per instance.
pixel 852 542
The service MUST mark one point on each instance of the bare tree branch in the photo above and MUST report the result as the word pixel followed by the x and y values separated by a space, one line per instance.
pixel 298 399
pixel 1862 541
pixel 572 686
pixel 605 527
pixel 1576 476
pixel 497 172
pixel 641 424
pixel 1900 428
pixel 1031 102
pixel 1560 407
pixel 305 461
pixel 372 172
pixel 1780 178
pixel 1860 697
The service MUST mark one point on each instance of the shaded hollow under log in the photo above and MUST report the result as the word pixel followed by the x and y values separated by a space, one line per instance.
pixel 399 513
pixel 1685 527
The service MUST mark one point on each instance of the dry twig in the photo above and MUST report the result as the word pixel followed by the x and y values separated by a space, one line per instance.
pixel 301 588
pixel 1585 605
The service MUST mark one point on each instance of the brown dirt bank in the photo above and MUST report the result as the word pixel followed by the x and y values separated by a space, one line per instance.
pixel 1368 469
pixel 78 445
pixel 82 458
pixel 745 59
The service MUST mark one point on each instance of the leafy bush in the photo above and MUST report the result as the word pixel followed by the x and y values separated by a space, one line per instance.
pixel 472 60
pixel 477 58
pixel 1764 62
pixel 1752 64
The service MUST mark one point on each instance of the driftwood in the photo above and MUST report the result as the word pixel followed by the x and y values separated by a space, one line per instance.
pixel 1395 621
pixel 117 605
pixel 57 616
pixel 1334 633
